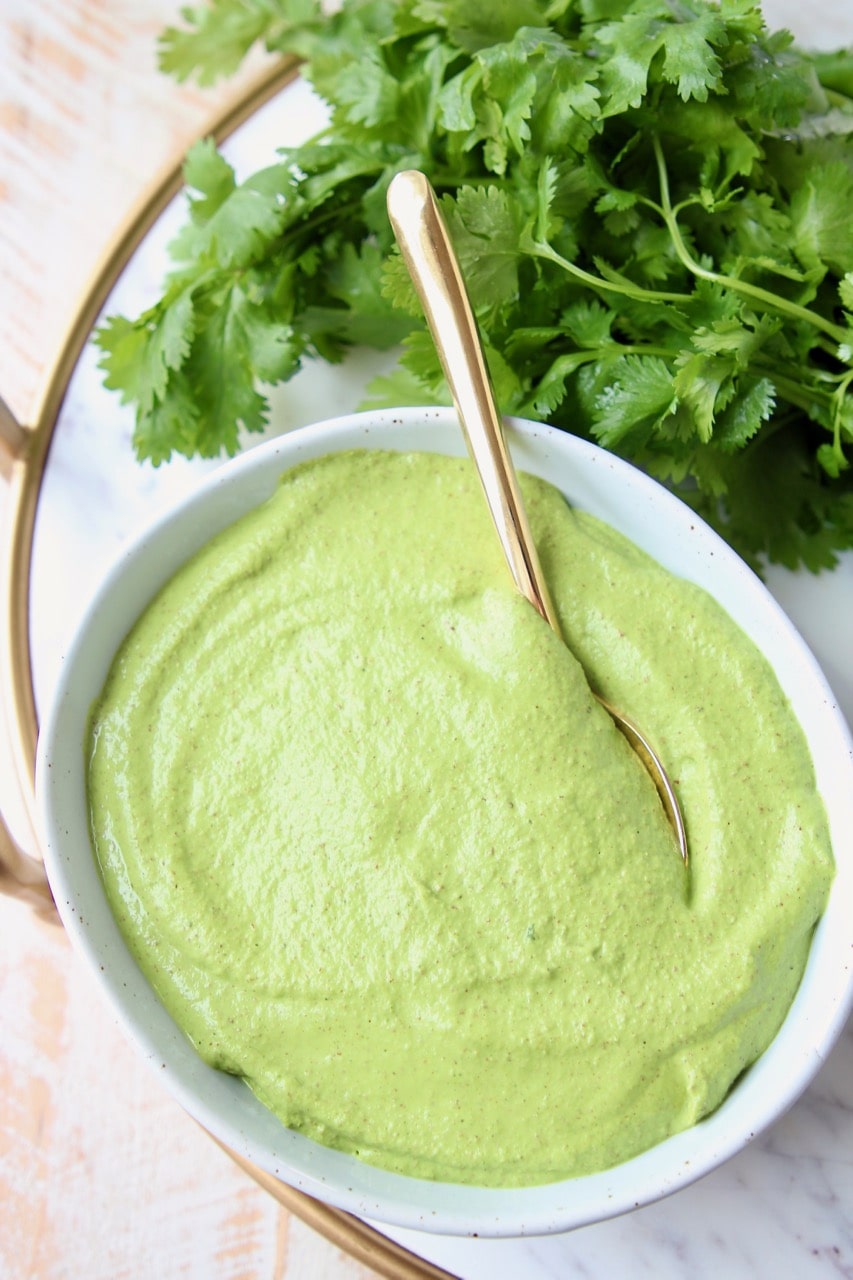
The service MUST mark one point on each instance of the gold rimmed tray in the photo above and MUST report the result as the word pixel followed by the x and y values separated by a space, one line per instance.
pixel 25 451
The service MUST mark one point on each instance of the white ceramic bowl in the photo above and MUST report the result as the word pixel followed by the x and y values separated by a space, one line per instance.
pixel 663 526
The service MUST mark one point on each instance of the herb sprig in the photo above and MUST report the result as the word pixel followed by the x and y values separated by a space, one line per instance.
pixel 651 203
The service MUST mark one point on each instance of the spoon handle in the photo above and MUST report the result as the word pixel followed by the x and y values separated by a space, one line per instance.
pixel 432 264
pixel 425 244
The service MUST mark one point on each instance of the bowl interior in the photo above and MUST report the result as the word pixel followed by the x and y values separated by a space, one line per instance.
pixel 668 530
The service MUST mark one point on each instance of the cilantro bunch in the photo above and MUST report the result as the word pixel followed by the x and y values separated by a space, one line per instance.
pixel 652 202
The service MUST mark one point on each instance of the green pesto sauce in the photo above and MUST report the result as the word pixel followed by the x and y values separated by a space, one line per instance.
pixel 382 854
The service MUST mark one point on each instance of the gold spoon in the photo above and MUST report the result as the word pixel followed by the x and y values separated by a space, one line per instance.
pixel 428 253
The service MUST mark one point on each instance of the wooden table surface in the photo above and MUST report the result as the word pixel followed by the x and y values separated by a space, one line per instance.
pixel 102 1176
pixel 86 123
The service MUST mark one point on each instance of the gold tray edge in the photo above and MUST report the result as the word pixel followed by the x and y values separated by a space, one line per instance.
pixel 362 1242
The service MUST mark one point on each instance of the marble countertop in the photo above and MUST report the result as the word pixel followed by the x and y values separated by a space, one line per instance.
pixel 100 1173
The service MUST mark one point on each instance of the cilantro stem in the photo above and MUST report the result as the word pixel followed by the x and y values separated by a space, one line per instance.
pixel 541 249
pixel 831 349
pixel 764 297
pixel 838 419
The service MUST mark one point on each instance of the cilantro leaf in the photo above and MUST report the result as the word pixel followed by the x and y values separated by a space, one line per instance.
pixel 139 358
pixel 486 225
pixel 820 217
pixel 627 397
pixel 744 416
pixel 221 33
pixel 649 33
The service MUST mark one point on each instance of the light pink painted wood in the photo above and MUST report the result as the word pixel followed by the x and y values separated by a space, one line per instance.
pixel 102 1176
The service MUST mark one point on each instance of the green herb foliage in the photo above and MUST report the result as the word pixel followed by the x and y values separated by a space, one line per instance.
pixel 651 200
